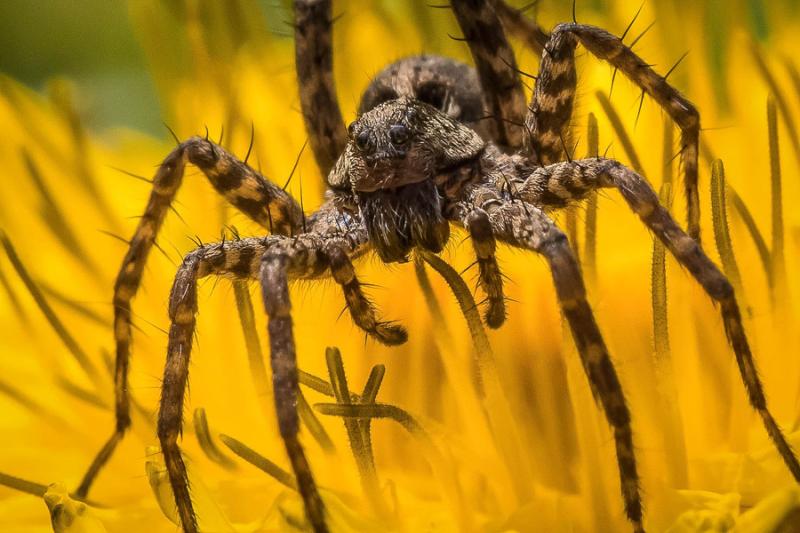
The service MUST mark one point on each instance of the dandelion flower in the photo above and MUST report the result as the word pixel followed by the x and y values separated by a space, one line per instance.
pixel 426 458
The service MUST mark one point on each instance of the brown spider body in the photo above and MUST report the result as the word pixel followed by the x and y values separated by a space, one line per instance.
pixel 400 149
pixel 435 144
pixel 448 85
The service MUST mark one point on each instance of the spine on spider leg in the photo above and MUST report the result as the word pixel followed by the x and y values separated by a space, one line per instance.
pixel 552 102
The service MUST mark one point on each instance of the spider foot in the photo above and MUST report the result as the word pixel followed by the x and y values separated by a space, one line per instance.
pixel 495 314
pixel 389 333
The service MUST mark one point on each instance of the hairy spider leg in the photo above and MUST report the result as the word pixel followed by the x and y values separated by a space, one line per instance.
pixel 489 275
pixel 274 282
pixel 244 188
pixel 521 27
pixel 526 226
pixel 551 106
pixel 306 256
pixel 314 64
pixel 236 258
pixel 497 69
pixel 589 174
pixel 272 260
pixel 361 309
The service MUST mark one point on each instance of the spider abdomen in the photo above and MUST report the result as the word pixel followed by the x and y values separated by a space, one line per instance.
pixel 450 86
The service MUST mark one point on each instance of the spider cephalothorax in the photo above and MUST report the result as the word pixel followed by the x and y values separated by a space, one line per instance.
pixel 404 172
pixel 400 142
pixel 391 163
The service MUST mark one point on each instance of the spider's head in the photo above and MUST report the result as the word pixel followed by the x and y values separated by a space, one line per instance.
pixel 401 142
pixel 394 153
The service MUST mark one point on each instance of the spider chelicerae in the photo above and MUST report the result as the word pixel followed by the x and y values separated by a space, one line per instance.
pixel 436 143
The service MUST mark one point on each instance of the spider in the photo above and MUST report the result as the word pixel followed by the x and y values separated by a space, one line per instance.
pixel 436 143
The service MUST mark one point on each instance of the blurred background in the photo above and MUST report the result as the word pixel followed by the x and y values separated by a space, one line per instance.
pixel 95 44
pixel 91 42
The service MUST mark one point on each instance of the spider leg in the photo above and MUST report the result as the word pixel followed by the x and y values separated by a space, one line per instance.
pixel 273 260
pixel 239 259
pixel 296 257
pixel 247 190
pixel 591 174
pixel 480 230
pixel 526 226
pixel 522 27
pixel 314 63
pixel 361 309
pixel 275 286
pixel 497 68
pixel 343 238
pixel 552 102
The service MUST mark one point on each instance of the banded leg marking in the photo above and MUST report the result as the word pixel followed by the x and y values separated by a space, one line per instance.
pixel 574 180
pixel 241 259
pixel 497 68
pixel 558 184
pixel 489 276
pixel 283 357
pixel 553 100
pixel 314 63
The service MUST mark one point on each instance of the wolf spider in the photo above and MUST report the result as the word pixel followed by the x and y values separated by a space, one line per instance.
pixel 436 143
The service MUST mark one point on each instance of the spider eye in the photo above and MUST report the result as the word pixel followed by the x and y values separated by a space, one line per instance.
pixel 399 134
pixel 363 140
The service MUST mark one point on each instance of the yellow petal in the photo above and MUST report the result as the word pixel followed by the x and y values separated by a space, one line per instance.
pixel 68 515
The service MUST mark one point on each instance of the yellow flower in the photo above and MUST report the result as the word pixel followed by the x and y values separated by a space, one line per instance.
pixel 543 458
